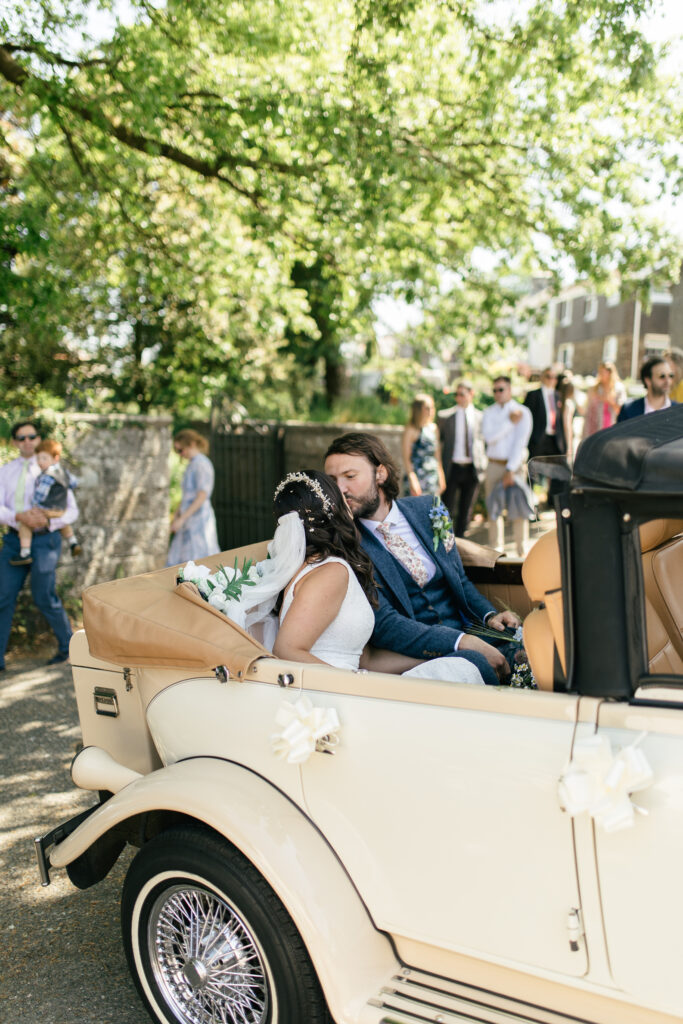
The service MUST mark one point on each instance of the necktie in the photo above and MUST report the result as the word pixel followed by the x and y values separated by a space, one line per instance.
pixel 468 446
pixel 552 405
pixel 21 487
pixel 404 554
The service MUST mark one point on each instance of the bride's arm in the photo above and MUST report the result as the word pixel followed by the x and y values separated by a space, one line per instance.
pixel 374 659
pixel 316 603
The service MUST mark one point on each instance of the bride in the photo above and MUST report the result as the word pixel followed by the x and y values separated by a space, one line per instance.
pixel 326 614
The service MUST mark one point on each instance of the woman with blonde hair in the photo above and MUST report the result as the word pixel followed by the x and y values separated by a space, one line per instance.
pixel 194 524
pixel 604 400
pixel 421 451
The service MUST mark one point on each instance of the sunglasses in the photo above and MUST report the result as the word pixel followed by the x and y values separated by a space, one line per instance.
pixel 25 437
pixel 498 390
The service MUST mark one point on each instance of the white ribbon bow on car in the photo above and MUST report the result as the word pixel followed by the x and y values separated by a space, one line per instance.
pixel 302 729
pixel 600 782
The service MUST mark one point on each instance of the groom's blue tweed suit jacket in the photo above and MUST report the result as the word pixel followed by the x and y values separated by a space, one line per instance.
pixel 396 627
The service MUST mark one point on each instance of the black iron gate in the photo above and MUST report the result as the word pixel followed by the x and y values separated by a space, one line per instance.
pixel 248 459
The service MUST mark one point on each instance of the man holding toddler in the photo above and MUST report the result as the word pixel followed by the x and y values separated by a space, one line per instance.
pixel 17 485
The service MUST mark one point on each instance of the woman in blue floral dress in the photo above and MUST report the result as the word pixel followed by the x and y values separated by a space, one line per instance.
pixel 194 524
pixel 421 451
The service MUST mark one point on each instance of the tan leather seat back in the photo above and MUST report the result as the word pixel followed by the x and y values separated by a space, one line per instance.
pixel 542 577
pixel 540 647
pixel 661 542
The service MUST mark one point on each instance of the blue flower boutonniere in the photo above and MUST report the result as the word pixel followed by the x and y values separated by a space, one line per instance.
pixel 442 525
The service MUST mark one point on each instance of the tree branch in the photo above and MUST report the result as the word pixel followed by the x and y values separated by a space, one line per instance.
pixel 19 76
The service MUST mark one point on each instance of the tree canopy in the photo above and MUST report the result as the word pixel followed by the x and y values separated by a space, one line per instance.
pixel 201 198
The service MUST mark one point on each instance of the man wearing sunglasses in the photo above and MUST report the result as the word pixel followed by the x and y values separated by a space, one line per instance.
pixel 17 481
pixel 657 375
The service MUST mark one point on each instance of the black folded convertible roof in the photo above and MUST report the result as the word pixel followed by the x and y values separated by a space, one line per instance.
pixel 642 454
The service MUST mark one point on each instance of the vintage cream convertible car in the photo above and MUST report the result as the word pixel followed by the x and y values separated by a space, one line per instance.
pixel 446 852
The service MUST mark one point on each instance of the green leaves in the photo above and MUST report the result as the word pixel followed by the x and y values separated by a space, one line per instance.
pixel 206 197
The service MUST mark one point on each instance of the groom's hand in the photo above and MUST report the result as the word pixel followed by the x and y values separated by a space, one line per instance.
pixel 503 619
pixel 492 654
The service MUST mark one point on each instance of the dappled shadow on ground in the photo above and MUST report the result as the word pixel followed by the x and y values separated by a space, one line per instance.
pixel 62 958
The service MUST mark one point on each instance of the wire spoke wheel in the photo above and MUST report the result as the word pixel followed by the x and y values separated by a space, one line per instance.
pixel 205 959
pixel 209 942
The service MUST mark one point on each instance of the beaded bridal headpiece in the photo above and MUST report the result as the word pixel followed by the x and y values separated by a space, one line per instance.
pixel 313 485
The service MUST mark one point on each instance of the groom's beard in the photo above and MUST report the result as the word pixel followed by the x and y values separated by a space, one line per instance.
pixel 365 505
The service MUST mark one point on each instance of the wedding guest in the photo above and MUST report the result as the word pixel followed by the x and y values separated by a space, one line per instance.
pixel 657 376
pixel 327 607
pixel 194 524
pixel 421 450
pixel 463 456
pixel 675 357
pixel 17 481
pixel 49 495
pixel 604 400
pixel 506 427
pixel 427 607
pixel 566 410
pixel 542 404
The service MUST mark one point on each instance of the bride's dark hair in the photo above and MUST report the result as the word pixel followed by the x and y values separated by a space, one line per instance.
pixel 328 524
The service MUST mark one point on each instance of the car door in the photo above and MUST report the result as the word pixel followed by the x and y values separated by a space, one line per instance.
pixel 640 867
pixel 441 801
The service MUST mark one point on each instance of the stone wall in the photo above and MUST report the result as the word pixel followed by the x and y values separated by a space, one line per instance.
pixel 122 466
pixel 306 443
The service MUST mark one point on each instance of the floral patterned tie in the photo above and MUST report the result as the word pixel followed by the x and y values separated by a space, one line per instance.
pixel 403 553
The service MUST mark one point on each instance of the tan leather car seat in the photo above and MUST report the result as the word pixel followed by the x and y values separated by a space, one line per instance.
pixel 661 542
pixel 544 627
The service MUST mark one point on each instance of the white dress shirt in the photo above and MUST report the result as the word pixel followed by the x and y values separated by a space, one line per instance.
pixel 505 439
pixel 649 408
pixel 464 422
pixel 10 474
pixel 402 527
pixel 550 399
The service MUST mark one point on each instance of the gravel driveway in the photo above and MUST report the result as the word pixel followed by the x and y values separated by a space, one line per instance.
pixel 61 957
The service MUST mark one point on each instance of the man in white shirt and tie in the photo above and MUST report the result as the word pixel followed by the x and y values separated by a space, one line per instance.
pixel 463 456
pixel 17 481
pixel 506 428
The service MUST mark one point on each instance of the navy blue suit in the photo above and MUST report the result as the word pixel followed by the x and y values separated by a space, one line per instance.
pixel 397 627
pixel 636 407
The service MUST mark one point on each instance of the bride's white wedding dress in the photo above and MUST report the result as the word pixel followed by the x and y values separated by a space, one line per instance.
pixel 342 643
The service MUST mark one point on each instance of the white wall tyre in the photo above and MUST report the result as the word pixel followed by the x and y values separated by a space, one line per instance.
pixel 208 941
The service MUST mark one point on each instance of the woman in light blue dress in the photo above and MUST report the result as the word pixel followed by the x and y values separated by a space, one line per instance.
pixel 194 524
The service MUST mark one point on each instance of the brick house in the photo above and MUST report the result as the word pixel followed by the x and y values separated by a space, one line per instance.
pixel 589 328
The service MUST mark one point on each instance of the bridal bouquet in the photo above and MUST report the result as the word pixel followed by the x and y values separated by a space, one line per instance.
pixel 222 588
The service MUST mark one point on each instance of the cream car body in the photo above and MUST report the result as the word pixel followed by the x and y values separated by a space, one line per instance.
pixel 430 865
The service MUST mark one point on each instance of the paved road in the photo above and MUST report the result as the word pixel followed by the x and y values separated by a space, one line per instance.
pixel 61 959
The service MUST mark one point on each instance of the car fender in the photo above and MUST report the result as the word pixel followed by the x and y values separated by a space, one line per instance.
pixel 352 959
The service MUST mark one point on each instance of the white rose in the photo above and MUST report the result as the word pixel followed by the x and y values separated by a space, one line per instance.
pixel 218 600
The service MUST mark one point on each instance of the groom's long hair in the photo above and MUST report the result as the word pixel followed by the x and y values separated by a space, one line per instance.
pixel 329 530
pixel 357 442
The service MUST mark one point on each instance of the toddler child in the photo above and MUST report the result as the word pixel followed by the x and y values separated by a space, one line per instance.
pixel 49 495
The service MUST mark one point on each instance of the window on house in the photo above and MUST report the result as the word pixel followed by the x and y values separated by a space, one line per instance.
pixel 614 299
pixel 590 310
pixel 610 348
pixel 654 344
pixel 564 313
pixel 661 296
pixel 565 355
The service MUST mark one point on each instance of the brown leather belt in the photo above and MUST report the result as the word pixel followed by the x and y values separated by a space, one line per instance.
pixel 43 529
pixel 499 462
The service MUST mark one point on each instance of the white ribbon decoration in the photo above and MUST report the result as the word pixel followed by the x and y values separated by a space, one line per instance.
pixel 302 729
pixel 600 783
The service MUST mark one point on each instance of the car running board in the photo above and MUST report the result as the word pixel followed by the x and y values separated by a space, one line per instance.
pixel 413 997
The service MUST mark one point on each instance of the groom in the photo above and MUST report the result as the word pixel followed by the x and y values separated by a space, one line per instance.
pixel 426 601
